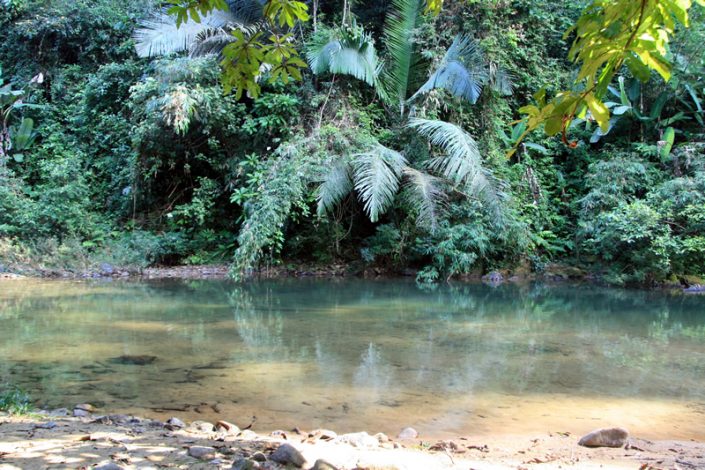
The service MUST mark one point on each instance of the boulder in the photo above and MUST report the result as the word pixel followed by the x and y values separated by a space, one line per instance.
pixel 408 433
pixel 610 437
pixel 202 452
pixel 288 454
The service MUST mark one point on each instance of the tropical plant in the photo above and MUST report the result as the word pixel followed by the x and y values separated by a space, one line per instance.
pixel 251 38
pixel 14 139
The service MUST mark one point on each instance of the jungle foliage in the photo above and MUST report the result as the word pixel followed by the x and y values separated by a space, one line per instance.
pixel 370 133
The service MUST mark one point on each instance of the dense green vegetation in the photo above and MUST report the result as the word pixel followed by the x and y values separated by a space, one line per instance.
pixel 119 147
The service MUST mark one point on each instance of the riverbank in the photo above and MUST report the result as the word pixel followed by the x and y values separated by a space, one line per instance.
pixel 48 440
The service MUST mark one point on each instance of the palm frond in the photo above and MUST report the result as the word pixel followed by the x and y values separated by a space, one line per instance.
pixel 337 184
pixel 246 12
pixel 462 163
pixel 462 71
pixel 159 35
pixel 402 20
pixel 501 80
pixel 425 195
pixel 348 52
pixel 376 174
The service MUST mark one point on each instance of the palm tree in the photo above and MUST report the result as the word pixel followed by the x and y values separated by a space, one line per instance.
pixel 160 35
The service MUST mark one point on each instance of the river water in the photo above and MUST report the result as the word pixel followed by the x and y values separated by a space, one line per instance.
pixel 354 355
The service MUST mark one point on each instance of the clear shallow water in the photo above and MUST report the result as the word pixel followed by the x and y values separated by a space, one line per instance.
pixel 360 355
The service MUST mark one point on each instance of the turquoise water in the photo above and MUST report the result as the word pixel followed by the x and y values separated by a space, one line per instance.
pixel 363 355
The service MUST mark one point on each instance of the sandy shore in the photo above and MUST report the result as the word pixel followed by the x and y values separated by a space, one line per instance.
pixel 118 441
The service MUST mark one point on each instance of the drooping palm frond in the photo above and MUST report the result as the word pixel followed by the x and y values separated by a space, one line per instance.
pixel 337 184
pixel 159 35
pixel 501 80
pixel 426 196
pixel 462 163
pixel 350 51
pixel 462 71
pixel 376 174
pixel 403 61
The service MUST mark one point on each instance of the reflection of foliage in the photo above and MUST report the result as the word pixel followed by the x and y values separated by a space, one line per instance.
pixel 14 400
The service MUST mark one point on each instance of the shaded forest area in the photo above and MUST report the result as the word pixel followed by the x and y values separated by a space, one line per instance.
pixel 120 148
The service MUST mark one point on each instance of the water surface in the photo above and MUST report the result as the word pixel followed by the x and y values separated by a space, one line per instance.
pixel 364 355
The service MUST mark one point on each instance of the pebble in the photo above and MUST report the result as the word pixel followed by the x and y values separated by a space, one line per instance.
pixel 288 454
pixel 202 452
pixel 609 437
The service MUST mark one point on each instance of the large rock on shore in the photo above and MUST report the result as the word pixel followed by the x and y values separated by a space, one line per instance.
pixel 288 454
pixel 610 437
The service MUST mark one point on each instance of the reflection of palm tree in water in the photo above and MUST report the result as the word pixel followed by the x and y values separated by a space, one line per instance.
pixel 260 326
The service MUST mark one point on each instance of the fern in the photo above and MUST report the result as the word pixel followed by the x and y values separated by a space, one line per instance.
pixel 376 174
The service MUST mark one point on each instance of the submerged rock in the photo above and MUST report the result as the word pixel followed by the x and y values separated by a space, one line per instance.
pixel 288 454
pixel 612 437
pixel 408 433
pixel 141 360
pixel 202 452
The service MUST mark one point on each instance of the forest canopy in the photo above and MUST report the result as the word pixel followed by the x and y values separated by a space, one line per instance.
pixel 402 135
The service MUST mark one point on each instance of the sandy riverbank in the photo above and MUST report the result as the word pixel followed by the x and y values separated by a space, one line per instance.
pixel 43 441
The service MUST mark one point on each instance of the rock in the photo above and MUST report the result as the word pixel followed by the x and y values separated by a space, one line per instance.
pixel 612 437
pixel 248 435
pixel 696 289
pixel 201 426
pixel 357 439
pixel 323 465
pixel 59 412
pixel 47 425
pixel 202 452
pixel 174 423
pixel 382 438
pixel 134 360
pixel 279 434
pixel 494 278
pixel 226 426
pixel 241 463
pixel 323 434
pixel 107 269
pixel 288 454
pixel 109 466
pixel 78 413
pixel 259 457
pixel 85 407
pixel 408 433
